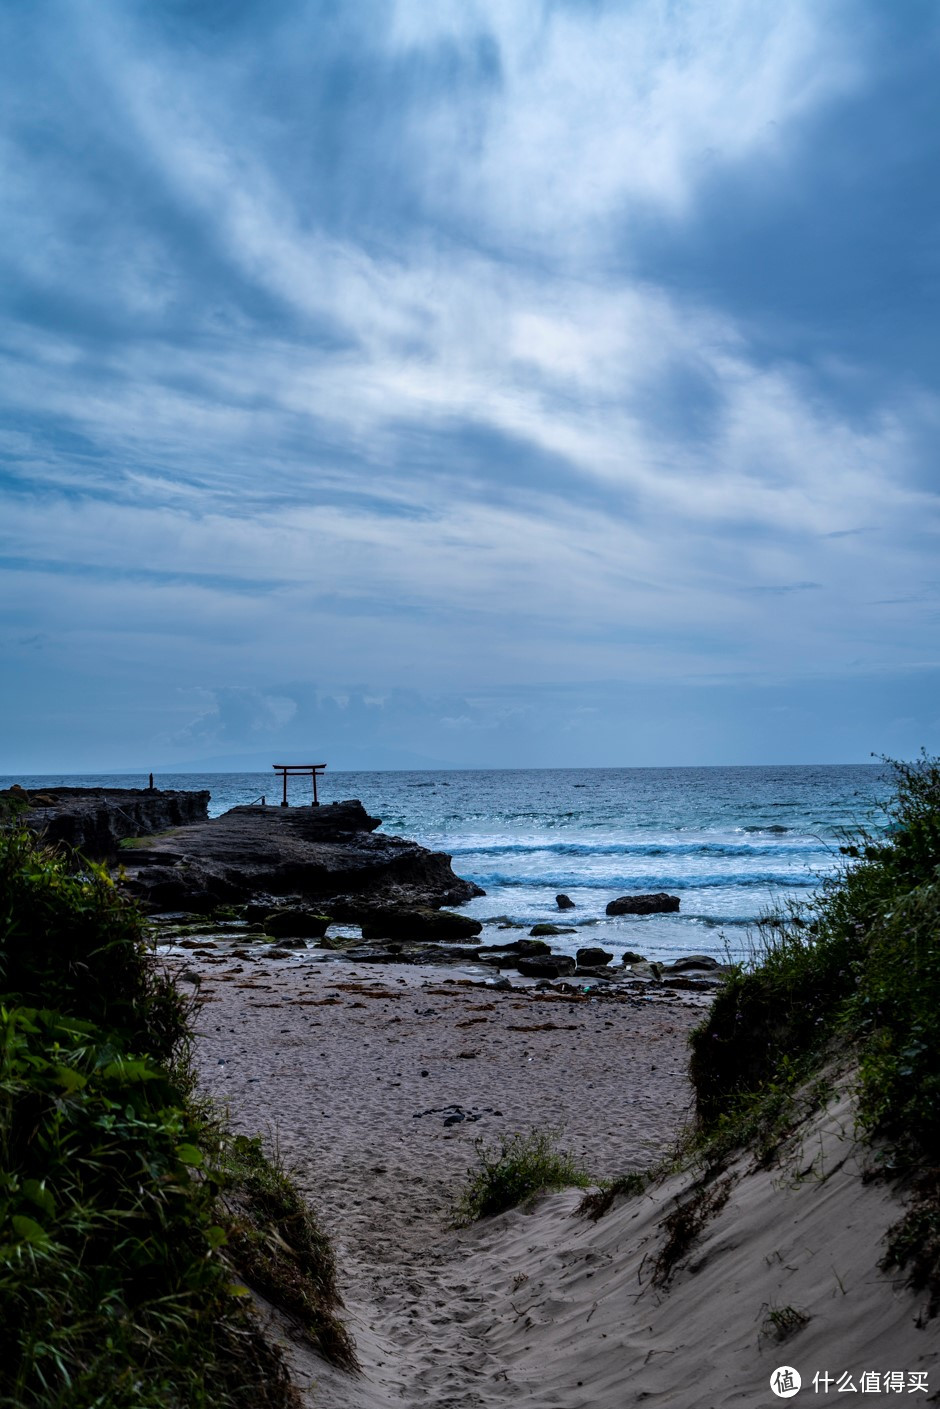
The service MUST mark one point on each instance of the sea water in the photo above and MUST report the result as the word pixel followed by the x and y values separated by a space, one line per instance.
pixel 734 844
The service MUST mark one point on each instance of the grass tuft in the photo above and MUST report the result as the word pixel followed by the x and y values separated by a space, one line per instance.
pixel 782 1322
pixel 276 1245
pixel 626 1186
pixel 518 1168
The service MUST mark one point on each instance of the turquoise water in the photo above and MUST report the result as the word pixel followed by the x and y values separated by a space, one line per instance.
pixel 732 843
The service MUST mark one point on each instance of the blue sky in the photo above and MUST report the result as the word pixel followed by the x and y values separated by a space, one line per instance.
pixel 468 383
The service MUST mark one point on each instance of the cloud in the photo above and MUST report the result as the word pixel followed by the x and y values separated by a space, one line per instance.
pixel 408 343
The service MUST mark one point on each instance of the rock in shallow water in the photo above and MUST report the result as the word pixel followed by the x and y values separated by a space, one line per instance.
pixel 593 958
pixel 656 904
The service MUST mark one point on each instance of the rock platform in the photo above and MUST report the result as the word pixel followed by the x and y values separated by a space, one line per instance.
pixel 329 856
pixel 94 821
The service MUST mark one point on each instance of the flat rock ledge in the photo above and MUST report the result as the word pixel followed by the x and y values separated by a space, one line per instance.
pixel 95 821
pixel 329 856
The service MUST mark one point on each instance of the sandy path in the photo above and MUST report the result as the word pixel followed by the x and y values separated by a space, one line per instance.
pixel 355 1076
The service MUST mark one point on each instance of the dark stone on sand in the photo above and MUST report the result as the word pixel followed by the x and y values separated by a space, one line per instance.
pixel 398 954
pixel 658 904
pixel 327 855
pixel 593 958
pixel 544 929
pixel 630 956
pixel 564 902
pixel 516 947
pixel 423 923
pixel 546 966
pixel 298 924
pixel 94 821
pixel 693 961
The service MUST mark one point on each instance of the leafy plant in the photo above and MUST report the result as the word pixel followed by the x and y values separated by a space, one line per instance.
pixel 127 1214
pixel 859 969
pixel 519 1167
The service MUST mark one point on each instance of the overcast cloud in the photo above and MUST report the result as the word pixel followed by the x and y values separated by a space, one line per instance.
pixel 552 382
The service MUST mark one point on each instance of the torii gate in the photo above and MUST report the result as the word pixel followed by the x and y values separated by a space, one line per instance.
pixel 299 769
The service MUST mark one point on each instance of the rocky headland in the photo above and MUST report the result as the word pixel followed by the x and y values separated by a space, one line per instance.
pixel 328 857
pixel 95 821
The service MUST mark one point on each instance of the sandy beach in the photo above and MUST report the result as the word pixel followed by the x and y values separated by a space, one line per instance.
pixel 374 1087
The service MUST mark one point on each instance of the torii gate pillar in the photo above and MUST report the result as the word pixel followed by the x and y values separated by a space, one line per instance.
pixel 294 770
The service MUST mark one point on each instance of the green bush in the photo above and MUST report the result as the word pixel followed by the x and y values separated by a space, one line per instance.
pixel 126 1213
pixel 70 943
pixel 112 1287
pixel 519 1167
pixel 858 972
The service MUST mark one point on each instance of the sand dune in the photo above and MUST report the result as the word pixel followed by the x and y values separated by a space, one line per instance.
pixel 356 1080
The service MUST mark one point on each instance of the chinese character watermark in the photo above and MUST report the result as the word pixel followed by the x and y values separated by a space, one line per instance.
pixel 786 1381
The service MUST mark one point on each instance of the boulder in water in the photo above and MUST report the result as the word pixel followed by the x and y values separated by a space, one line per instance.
pixel 593 958
pixel 656 904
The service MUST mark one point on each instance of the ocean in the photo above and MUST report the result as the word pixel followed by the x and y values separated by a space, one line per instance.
pixel 732 843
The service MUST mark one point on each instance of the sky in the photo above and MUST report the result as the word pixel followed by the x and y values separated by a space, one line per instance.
pixel 464 383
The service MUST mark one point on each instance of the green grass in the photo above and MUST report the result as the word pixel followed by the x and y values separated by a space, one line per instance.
pixel 278 1247
pixel 514 1170
pixel 124 1206
pixel 856 974
pixel 782 1322
pixel 625 1186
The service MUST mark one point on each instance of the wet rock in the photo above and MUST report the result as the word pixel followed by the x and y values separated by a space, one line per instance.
pixel 298 924
pixel 629 956
pixel 258 910
pixel 564 902
pixel 527 947
pixel 693 961
pixel 546 966
pixel 648 969
pixel 329 855
pixel 544 929
pixel 697 982
pixel 94 821
pixel 422 923
pixel 656 904
pixel 593 958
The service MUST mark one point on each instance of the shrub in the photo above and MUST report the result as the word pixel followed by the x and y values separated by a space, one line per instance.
pixel 519 1167
pixel 128 1218
pixel 70 943
pixel 112 1286
pixel 861 971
